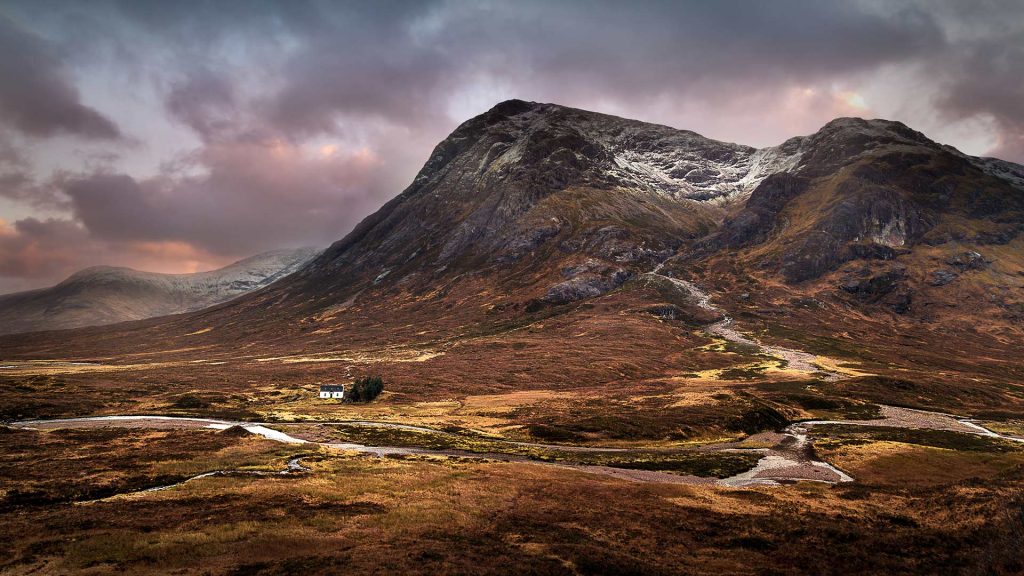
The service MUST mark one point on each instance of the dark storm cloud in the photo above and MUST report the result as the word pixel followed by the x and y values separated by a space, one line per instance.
pixel 36 95
pixel 10 155
pixel 205 102
pixel 406 69
pixel 17 182
pixel 988 76
pixel 20 186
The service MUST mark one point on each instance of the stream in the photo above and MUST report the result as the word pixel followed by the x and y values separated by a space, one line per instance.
pixel 795 359
pixel 790 457
pixel 294 466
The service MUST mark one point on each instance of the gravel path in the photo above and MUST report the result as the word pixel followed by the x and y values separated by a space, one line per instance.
pixel 896 417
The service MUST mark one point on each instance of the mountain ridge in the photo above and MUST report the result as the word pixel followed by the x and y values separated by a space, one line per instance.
pixel 569 149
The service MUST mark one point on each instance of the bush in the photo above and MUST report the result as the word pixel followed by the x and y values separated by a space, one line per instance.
pixel 365 389
pixel 190 402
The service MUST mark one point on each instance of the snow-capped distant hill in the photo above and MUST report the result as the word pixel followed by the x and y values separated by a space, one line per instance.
pixel 105 294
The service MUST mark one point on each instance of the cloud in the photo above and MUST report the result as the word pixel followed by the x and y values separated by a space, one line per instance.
pixel 236 197
pixel 18 185
pixel 406 68
pixel 17 182
pixel 228 200
pixel 205 102
pixel 984 77
pixel 40 252
pixel 36 95
pixel 292 120
pixel 35 252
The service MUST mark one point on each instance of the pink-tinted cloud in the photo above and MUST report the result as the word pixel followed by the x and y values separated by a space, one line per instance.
pixel 245 196
pixel 37 253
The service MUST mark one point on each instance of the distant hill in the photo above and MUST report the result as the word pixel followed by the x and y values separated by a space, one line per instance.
pixel 106 294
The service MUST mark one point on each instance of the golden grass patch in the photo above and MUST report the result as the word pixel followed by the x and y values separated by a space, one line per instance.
pixel 896 463
pixel 841 367
pixel 512 400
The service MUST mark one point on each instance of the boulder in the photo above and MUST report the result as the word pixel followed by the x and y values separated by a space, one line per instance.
pixel 586 281
pixel 969 260
pixel 693 315
pixel 873 251
pixel 874 286
pixel 941 277
pixel 236 431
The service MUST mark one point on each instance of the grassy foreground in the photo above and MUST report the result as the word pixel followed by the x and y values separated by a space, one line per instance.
pixel 429 515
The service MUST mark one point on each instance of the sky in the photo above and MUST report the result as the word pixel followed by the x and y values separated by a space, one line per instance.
pixel 181 136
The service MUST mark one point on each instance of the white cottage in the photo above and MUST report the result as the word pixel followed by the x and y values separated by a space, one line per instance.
pixel 336 391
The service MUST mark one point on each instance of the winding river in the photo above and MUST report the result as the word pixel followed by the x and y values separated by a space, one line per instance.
pixel 790 457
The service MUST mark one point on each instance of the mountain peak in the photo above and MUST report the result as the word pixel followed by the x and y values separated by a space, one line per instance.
pixel 878 129
pixel 513 107
pixel 553 145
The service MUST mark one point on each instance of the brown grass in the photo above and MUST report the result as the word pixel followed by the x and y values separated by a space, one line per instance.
pixel 427 516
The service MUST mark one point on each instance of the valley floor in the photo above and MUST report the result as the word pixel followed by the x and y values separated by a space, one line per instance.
pixel 596 439
pixel 74 501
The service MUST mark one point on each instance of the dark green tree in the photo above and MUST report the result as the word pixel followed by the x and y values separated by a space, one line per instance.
pixel 365 389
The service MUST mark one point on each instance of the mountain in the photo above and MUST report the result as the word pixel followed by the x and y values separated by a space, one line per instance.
pixel 539 191
pixel 644 281
pixel 554 205
pixel 534 209
pixel 105 294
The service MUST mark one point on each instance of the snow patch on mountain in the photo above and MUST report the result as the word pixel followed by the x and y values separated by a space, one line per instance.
pixel 201 289
pixel 1012 173
pixel 649 157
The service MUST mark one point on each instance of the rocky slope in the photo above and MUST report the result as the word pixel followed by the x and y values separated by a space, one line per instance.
pixel 564 203
pixel 105 295
pixel 883 215
pixel 531 206
pixel 556 205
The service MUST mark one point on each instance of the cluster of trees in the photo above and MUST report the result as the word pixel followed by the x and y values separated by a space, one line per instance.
pixel 365 389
